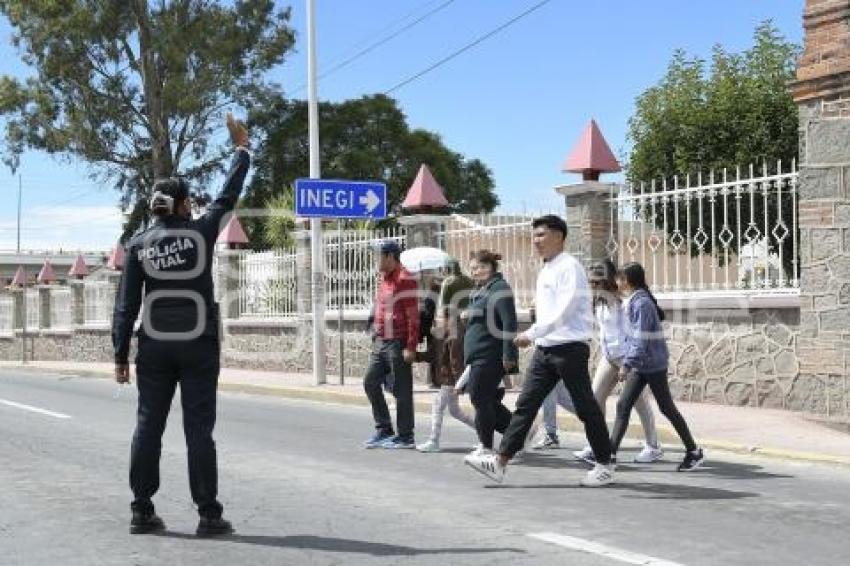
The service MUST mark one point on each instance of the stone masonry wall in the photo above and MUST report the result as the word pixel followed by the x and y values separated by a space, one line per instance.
pixel 732 357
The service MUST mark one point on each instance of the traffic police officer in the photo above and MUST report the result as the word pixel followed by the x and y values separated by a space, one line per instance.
pixel 168 267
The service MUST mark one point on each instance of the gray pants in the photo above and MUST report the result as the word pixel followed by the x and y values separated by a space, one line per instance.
pixel 387 367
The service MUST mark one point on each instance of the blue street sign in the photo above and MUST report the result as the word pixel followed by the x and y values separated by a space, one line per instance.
pixel 322 198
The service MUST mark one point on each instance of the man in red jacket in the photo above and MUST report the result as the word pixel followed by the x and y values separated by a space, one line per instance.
pixel 395 333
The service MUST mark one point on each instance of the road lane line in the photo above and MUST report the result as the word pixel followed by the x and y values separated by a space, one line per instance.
pixel 611 552
pixel 34 409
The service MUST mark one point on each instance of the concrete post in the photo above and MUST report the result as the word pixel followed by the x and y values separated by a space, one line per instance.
pixel 18 297
pixel 78 306
pixel 589 220
pixel 44 305
pixel 822 92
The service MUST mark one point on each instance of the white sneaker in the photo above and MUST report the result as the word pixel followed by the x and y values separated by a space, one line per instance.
pixel 477 447
pixel 547 442
pixel 585 455
pixel 532 434
pixel 480 451
pixel 649 454
pixel 429 447
pixel 597 477
pixel 487 465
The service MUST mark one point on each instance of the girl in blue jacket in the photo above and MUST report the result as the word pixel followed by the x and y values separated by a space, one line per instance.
pixel 645 362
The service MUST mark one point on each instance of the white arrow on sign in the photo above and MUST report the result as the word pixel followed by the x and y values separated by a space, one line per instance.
pixel 370 200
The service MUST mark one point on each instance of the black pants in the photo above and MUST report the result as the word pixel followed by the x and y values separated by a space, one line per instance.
pixel 566 362
pixel 486 396
pixel 657 382
pixel 160 365
pixel 387 366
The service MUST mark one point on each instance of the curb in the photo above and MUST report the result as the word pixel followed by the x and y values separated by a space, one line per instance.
pixel 566 423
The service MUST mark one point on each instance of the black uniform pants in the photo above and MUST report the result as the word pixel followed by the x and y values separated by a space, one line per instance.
pixel 160 366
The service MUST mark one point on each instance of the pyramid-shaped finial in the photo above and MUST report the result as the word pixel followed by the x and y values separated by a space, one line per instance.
pixel 46 275
pixel 79 269
pixel 116 258
pixel 20 278
pixel 233 234
pixel 425 192
pixel 591 155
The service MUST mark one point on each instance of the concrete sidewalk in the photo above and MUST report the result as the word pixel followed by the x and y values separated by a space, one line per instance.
pixel 768 432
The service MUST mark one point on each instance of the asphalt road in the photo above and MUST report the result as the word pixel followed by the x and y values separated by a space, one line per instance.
pixel 300 489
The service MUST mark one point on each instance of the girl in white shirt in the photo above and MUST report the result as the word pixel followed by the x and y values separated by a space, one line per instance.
pixel 610 318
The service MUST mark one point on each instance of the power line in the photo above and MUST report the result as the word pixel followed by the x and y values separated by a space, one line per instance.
pixel 467 47
pixel 371 47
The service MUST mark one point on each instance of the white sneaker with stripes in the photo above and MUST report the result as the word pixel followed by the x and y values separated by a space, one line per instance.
pixel 487 465
pixel 597 477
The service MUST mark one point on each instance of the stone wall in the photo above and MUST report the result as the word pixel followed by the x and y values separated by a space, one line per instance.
pixel 755 357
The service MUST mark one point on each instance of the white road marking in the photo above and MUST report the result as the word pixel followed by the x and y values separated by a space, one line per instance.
pixel 34 409
pixel 611 552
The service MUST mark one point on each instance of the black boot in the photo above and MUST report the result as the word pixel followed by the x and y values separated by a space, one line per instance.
pixel 144 523
pixel 208 527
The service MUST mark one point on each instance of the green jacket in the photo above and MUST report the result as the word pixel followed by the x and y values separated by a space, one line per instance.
pixel 491 324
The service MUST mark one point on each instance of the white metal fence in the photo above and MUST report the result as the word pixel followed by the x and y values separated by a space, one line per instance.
pixel 99 297
pixel 33 310
pixel 7 316
pixel 720 232
pixel 509 235
pixel 268 284
pixel 351 278
pixel 60 309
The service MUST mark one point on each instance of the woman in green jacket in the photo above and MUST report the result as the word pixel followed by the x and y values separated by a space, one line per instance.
pixel 488 345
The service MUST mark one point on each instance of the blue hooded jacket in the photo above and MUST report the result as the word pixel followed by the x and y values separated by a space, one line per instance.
pixel 645 346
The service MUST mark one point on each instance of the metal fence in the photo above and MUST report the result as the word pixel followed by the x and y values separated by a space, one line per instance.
pixel 718 232
pixel 99 297
pixel 33 310
pixel 268 284
pixel 509 235
pixel 7 316
pixel 60 309
pixel 350 277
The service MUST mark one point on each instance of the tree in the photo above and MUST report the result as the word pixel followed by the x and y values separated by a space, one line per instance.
pixel 137 91
pixel 365 138
pixel 736 112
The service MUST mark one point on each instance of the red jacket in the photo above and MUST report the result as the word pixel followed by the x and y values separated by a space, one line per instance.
pixel 397 308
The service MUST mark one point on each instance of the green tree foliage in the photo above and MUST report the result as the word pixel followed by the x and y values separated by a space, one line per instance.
pixel 137 90
pixel 734 112
pixel 366 138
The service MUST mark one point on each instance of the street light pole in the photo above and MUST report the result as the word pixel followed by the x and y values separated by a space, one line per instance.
pixel 317 255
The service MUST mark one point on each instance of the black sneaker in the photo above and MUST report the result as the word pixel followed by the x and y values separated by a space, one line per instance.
pixel 213 527
pixel 692 461
pixel 145 523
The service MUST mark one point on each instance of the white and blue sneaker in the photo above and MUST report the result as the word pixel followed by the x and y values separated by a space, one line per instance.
pixel 378 439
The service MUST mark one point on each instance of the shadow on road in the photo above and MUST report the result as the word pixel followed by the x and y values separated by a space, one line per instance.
pixel 715 468
pixel 347 546
pixel 646 490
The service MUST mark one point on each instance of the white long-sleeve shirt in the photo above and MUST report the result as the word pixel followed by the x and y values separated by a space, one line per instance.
pixel 562 303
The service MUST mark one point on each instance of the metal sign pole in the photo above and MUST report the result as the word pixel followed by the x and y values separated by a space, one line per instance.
pixel 340 303
pixel 317 257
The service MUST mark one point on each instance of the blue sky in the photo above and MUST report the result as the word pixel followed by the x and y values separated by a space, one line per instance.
pixel 517 101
